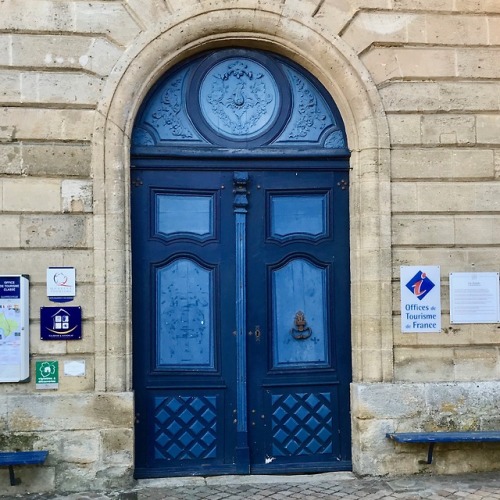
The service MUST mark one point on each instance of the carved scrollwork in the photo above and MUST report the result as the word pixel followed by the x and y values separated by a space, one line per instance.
pixel 311 114
pixel 170 111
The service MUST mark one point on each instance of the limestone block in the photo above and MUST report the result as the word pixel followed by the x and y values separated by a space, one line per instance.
pixel 74 447
pixel 75 89
pixel 441 163
pixel 464 400
pixel 114 476
pixel 9 229
pixel 488 129
pixel 5 50
pixel 10 158
pixel 375 27
pixel 490 6
pixel 76 196
pixel 23 195
pixel 386 63
pixel 47 16
pixel 56 159
pixel 10 87
pixel 423 364
pixel 446 197
pixel 405 129
pixel 476 363
pixel 117 446
pixel 81 411
pixel 71 477
pixel 148 11
pixel 94 55
pixel 478 63
pixel 445 5
pixel 477 230
pixel 456 30
pixel 55 231
pixel 428 230
pixel 49 124
pixel 494 30
pixel 387 401
pixel 109 18
pixel 441 96
pixel 446 129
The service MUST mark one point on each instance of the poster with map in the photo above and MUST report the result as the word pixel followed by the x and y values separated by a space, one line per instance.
pixel 14 332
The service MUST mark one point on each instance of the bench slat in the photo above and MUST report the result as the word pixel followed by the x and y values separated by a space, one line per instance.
pixel 445 437
pixel 22 457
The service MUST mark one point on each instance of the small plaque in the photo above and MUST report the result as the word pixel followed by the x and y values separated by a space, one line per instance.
pixel 61 284
pixel 47 374
pixel 61 323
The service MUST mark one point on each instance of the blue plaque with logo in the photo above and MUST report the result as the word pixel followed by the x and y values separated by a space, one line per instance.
pixel 61 323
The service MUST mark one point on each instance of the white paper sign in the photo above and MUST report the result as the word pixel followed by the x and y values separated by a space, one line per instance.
pixel 474 298
pixel 420 299
pixel 61 282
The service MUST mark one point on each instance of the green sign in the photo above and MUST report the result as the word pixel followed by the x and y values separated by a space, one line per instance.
pixel 47 374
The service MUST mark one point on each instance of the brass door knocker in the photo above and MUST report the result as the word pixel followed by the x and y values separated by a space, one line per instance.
pixel 300 331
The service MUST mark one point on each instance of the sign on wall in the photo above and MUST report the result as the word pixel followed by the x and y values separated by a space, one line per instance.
pixel 61 284
pixel 47 375
pixel 61 323
pixel 14 328
pixel 474 298
pixel 420 299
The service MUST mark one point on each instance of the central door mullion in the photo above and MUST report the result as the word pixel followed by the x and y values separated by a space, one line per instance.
pixel 240 181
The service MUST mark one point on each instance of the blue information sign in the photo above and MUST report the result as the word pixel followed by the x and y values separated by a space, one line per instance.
pixel 61 323
pixel 10 287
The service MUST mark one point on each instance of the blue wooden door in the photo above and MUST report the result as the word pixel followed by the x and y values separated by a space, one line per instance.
pixel 240 270
pixel 197 413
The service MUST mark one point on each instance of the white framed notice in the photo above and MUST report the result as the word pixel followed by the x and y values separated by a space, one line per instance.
pixel 475 297
pixel 420 299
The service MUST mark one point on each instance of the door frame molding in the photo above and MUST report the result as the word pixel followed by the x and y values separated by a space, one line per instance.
pixel 342 73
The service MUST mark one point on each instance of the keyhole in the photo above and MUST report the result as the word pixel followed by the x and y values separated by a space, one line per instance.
pixel 257 333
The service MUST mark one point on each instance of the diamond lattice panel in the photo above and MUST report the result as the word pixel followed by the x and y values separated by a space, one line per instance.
pixel 185 427
pixel 302 424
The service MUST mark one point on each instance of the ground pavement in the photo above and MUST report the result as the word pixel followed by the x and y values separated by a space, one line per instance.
pixel 330 485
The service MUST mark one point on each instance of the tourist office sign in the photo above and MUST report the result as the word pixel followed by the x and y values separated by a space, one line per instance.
pixel 420 299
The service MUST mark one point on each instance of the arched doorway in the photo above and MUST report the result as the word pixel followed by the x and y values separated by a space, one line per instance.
pixel 240 271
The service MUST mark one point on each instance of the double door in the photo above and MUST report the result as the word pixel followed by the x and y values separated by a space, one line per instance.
pixel 241 322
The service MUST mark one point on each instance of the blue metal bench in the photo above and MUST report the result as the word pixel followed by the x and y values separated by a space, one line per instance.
pixel 11 458
pixel 432 438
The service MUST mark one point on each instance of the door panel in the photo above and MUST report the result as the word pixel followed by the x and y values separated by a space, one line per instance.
pixel 185 314
pixel 298 295
pixel 183 299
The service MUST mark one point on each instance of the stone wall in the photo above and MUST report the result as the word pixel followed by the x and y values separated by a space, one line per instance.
pixel 418 84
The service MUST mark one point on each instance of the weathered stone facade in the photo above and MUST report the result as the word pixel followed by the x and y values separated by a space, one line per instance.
pixel 418 86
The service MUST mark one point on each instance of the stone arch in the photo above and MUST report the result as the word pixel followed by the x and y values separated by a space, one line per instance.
pixel 338 68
